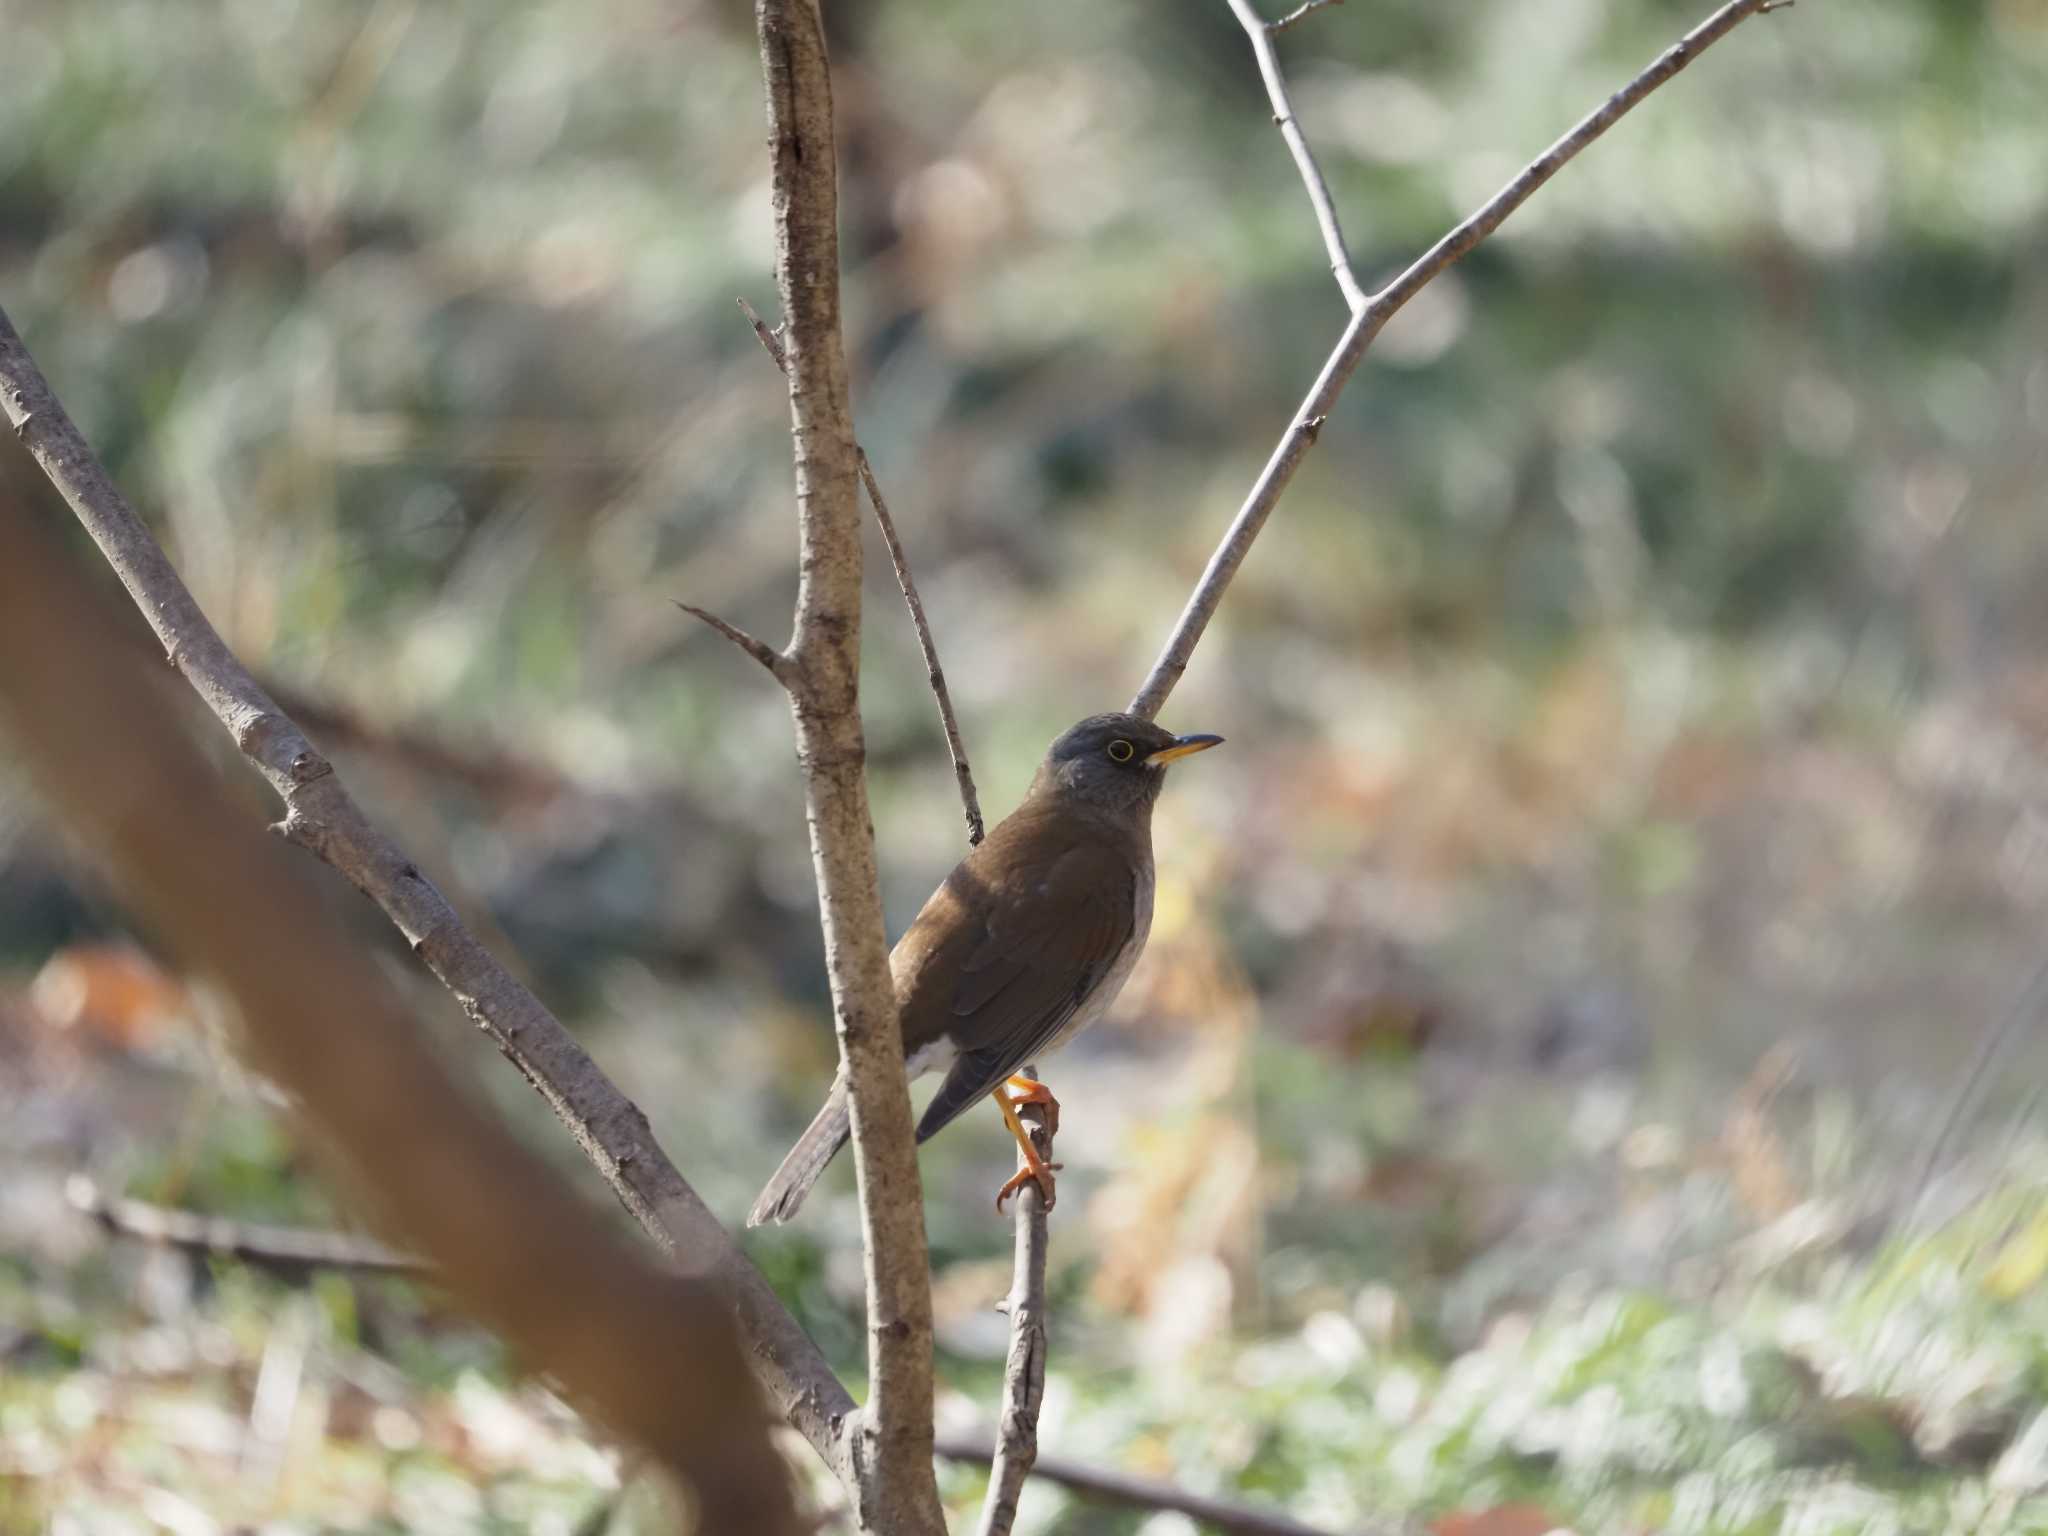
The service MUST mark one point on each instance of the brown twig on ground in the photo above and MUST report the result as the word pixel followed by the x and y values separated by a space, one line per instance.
pixel 651 1352
pixel 934 673
pixel 321 816
pixel 272 1247
pixel 1016 1448
pixel 896 1486
pixel 1261 33
pixel 1138 1492
pixel 1366 324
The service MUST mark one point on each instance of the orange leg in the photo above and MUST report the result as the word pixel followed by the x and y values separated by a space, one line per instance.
pixel 1035 1167
pixel 1029 1090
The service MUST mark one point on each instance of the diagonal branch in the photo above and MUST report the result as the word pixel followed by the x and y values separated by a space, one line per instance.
pixel 272 1247
pixel 651 1351
pixel 323 817
pixel 897 1487
pixel 766 654
pixel 1143 1493
pixel 1366 324
pixel 934 673
pixel 1262 34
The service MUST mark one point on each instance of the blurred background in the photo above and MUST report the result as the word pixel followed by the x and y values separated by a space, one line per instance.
pixel 1547 1096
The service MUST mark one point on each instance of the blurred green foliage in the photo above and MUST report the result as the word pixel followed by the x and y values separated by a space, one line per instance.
pixel 1645 662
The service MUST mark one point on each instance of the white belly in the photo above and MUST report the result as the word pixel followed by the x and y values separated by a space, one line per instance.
pixel 936 1057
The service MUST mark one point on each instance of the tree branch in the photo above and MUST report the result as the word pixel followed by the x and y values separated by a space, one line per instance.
pixel 653 1354
pixel 1261 34
pixel 897 1489
pixel 322 816
pixel 272 1247
pixel 1366 324
pixel 1138 1492
pixel 1301 13
pixel 934 673
pixel 766 654
pixel 1016 1448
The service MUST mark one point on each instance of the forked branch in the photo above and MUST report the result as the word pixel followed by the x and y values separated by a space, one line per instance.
pixel 654 1354
pixel 934 673
pixel 1366 323
pixel 323 817
pixel 896 1488
pixel 1261 34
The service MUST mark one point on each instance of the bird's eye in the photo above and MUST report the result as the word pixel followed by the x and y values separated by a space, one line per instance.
pixel 1121 751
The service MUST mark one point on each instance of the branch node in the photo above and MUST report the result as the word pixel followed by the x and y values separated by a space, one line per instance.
pixel 1368 315
pixel 772 339
pixel 1299 13
pixel 1260 34
pixel 905 583
pixel 775 661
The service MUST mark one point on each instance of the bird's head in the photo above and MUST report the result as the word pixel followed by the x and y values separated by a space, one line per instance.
pixel 1115 761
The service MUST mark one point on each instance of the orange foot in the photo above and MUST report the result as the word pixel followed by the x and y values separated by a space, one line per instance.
pixel 1022 1091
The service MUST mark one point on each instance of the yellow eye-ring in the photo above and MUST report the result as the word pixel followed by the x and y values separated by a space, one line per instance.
pixel 1121 751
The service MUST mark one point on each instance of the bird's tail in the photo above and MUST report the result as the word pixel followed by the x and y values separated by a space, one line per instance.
pixel 806 1161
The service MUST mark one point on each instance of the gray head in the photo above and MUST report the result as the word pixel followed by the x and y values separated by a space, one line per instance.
pixel 1117 762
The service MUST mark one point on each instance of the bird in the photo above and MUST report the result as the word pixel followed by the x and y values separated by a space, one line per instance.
pixel 1026 943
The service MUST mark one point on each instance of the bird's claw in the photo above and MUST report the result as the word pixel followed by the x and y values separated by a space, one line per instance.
pixel 1040 1173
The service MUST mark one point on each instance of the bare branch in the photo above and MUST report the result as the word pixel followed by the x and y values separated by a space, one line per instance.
pixel 651 1352
pixel 322 816
pixel 897 1489
pixel 770 338
pixel 1024 1372
pixel 934 673
pixel 1302 13
pixel 1992 1043
pixel 1138 1492
pixel 970 803
pixel 1366 324
pixel 271 1247
pixel 1261 36
pixel 766 654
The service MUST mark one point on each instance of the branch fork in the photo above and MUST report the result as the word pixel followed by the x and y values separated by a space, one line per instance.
pixel 883 1455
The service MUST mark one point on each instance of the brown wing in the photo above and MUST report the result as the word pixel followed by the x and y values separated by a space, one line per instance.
pixel 1050 931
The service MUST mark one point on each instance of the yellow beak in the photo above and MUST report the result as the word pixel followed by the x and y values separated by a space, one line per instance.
pixel 1185 746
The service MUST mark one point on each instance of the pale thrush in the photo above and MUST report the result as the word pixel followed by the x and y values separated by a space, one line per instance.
pixel 1026 943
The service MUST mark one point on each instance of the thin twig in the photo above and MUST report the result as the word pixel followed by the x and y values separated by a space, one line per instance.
pixel 323 817
pixel 896 1487
pixel 1309 8
pixel 934 673
pixel 1366 324
pixel 1024 1372
pixel 760 650
pixel 1992 1043
pixel 271 1247
pixel 1138 1492
pixel 1261 36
